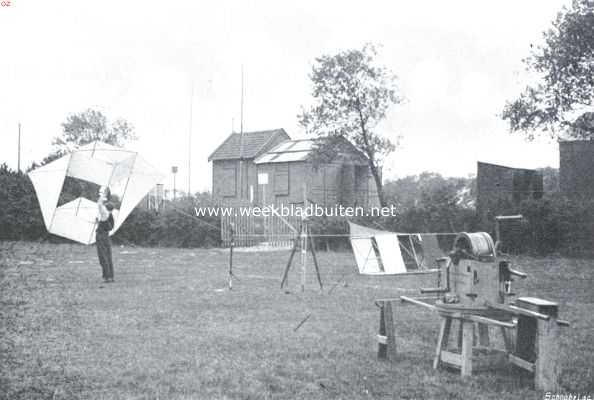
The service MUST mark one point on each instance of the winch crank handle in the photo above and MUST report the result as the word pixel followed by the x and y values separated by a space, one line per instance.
pixel 517 273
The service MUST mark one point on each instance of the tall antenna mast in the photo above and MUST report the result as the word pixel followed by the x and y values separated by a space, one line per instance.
pixel 241 123
pixel 190 140
pixel 19 150
pixel 241 141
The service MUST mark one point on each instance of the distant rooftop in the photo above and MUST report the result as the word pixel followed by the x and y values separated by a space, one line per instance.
pixel 506 166
pixel 251 146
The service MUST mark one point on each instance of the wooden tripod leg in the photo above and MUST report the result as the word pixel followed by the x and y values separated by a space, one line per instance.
pixel 293 250
pixel 286 273
pixel 315 260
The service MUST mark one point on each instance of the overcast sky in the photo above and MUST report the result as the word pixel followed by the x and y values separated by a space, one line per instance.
pixel 457 63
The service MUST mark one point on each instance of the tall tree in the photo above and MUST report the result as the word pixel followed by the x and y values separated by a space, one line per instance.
pixel 565 89
pixel 351 96
pixel 91 125
pixel 86 127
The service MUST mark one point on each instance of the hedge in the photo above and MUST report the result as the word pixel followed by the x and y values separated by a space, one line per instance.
pixel 553 224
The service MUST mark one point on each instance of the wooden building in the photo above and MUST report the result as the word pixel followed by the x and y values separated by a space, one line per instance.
pixel 277 170
pixel 500 189
pixel 576 168
pixel 269 168
pixel 234 175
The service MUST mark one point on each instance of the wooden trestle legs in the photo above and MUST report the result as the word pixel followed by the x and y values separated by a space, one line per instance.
pixel 467 332
pixel 530 335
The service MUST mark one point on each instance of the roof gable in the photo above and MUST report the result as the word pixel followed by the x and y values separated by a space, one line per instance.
pixel 250 146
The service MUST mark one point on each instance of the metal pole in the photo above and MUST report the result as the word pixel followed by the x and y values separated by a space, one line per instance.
pixel 241 123
pixel 304 239
pixel 241 142
pixel 174 172
pixel 19 150
pixel 190 141
pixel 231 258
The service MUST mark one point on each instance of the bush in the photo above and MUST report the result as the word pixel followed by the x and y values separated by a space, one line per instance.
pixel 559 225
pixel 553 224
pixel 174 226
pixel 20 216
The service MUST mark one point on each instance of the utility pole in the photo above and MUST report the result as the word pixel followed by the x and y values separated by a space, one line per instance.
pixel 190 140
pixel 19 150
pixel 174 172
pixel 241 141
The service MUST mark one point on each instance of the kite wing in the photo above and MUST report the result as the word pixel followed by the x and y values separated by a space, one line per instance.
pixel 128 176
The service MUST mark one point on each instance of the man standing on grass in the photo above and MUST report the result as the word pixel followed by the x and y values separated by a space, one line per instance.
pixel 105 224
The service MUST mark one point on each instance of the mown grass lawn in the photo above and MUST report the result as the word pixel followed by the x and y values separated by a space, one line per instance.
pixel 169 329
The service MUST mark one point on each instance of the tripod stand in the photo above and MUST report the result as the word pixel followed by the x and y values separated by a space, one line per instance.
pixel 301 242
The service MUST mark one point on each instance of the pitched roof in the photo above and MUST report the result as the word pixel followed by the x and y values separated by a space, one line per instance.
pixel 254 143
pixel 301 149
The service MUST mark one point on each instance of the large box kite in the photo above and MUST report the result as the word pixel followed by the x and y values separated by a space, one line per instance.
pixel 128 176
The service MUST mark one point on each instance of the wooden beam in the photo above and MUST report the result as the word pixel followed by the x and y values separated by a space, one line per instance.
pixel 520 362
pixel 442 341
pixel 467 337
pixel 386 337
pixel 417 302
pixel 506 341
pixel 390 333
pixel 451 358
pixel 507 217
pixel 483 330
pixel 485 320
pixel 518 311
pixel 382 339
pixel 547 367
pixel 378 301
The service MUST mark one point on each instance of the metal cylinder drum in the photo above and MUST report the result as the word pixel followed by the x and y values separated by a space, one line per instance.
pixel 477 244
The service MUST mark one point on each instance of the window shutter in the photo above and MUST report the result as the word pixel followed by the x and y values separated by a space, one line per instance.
pixel 281 179
pixel 229 181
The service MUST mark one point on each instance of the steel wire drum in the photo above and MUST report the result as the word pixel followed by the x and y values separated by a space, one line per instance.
pixel 478 245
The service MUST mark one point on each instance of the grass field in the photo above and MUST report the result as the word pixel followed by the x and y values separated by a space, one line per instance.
pixel 169 329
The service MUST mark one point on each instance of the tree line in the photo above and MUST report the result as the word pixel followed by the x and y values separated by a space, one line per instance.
pixel 427 202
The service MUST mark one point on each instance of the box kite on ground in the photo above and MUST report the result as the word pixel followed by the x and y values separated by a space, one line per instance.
pixel 376 252
pixel 128 176
pixel 379 252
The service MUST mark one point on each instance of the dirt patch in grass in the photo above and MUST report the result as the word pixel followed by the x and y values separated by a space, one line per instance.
pixel 168 328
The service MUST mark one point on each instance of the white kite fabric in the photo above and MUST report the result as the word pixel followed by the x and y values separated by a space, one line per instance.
pixel 128 176
pixel 376 252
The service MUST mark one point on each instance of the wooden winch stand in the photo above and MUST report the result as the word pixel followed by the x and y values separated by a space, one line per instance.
pixel 466 356
pixel 535 349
